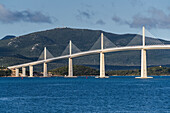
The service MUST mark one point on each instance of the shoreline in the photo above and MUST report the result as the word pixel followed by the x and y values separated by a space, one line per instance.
pixel 77 76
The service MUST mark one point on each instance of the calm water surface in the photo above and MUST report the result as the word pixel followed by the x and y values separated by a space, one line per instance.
pixel 58 95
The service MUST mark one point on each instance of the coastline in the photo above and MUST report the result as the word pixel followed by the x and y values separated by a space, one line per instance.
pixel 76 75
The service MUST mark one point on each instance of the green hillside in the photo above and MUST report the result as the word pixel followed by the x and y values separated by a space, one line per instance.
pixel 84 70
pixel 78 71
pixel 151 71
pixel 29 47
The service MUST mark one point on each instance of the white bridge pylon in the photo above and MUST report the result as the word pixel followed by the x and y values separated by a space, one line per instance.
pixel 102 62
pixel 45 64
pixel 70 63
pixel 143 58
pixel 100 51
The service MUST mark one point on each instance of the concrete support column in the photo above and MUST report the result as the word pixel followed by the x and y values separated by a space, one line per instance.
pixel 45 70
pixel 23 71
pixel 143 64
pixel 17 72
pixel 31 70
pixel 70 68
pixel 102 66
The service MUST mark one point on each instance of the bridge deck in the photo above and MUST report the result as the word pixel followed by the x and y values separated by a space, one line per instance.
pixel 115 49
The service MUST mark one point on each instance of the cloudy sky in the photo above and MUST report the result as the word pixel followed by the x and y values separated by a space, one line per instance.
pixel 19 17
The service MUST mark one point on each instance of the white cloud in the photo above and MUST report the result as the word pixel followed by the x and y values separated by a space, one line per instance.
pixel 156 19
pixel 7 16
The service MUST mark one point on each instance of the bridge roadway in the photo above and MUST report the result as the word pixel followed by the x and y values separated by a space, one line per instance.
pixel 115 49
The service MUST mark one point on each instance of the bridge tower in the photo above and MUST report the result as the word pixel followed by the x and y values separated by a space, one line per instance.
pixel 45 64
pixel 143 59
pixel 70 67
pixel 102 63
pixel 70 63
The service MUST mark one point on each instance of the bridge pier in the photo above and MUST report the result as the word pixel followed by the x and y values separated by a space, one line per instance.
pixel 31 70
pixel 70 67
pixel 143 60
pixel 45 70
pixel 143 65
pixel 102 67
pixel 17 72
pixel 23 71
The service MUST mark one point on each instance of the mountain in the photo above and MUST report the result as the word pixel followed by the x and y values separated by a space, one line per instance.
pixel 28 48
pixel 8 37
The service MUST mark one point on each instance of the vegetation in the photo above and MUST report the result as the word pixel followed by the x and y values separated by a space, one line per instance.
pixel 84 70
pixel 77 70
pixel 124 72
pixel 80 70
pixel 151 71
pixel 159 71
pixel 4 72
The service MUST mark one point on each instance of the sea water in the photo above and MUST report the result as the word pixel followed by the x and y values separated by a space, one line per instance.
pixel 85 95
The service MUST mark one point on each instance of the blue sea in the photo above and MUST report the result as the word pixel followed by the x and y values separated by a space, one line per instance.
pixel 85 95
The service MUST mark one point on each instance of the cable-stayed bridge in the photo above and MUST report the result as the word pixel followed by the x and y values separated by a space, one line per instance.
pixel 102 46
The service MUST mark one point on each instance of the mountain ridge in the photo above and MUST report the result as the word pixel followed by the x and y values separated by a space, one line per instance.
pixel 8 37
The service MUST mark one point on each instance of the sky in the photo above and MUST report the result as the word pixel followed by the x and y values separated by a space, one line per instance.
pixel 20 17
